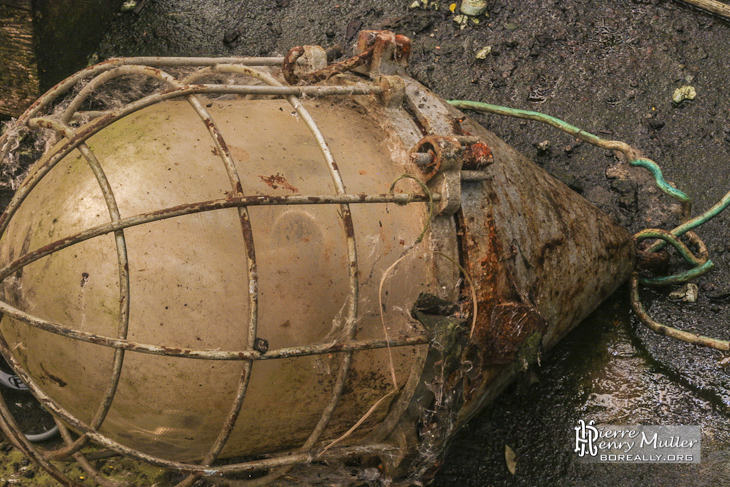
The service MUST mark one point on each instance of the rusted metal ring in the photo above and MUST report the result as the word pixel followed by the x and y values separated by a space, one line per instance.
pixel 435 154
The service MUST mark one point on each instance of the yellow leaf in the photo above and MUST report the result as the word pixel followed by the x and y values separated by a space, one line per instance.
pixel 511 459
pixel 452 7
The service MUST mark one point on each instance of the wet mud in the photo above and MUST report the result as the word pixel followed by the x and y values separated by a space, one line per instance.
pixel 610 68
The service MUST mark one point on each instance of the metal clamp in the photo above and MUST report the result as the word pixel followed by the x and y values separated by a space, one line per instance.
pixel 442 158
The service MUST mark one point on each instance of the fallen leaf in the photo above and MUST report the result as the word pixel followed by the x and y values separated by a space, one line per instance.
pixel 511 459
pixel 353 27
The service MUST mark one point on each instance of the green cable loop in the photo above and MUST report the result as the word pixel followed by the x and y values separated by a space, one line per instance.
pixel 700 268
pixel 669 238
pixel 680 277
pixel 695 222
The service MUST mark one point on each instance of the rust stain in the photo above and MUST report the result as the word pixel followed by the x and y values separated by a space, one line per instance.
pixel 457 128
pixel 347 220
pixel 221 141
pixel 420 122
pixel 485 271
pixel 290 60
pixel 248 238
pixel 503 323
pixel 509 325
pixel 278 180
pixel 403 47
pixel 478 156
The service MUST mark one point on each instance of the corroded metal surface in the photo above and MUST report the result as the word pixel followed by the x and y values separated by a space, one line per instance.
pixel 539 259
pixel 532 244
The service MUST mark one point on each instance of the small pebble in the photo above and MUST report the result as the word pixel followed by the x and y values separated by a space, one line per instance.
pixel 462 21
pixel 688 293
pixel 684 93
pixel 484 52
pixel 473 7
pixel 543 146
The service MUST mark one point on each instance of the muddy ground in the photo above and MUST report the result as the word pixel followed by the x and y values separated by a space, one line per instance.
pixel 609 67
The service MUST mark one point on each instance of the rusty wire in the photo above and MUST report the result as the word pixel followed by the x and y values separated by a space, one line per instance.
pixel 294 54
pixel 350 320
pixel 124 291
pixel 75 139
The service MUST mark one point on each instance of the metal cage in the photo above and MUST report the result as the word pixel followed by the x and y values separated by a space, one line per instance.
pixel 66 125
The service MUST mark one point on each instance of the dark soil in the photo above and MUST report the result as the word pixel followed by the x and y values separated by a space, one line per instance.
pixel 608 67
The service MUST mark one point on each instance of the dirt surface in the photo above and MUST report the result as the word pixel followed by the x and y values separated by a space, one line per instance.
pixel 608 67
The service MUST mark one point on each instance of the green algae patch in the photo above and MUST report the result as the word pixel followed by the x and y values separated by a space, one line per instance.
pixel 17 470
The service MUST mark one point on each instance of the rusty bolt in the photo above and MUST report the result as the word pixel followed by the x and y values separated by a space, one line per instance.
pixel 423 159
pixel 477 156
pixel 367 39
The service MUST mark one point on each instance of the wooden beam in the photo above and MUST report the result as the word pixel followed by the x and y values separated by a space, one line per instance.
pixel 19 84
pixel 44 41
pixel 717 8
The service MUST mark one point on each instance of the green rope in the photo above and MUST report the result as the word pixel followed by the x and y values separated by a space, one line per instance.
pixel 700 266
pixel 680 277
pixel 656 171
pixel 626 149
pixel 695 222
pixel 668 237
pixel 668 330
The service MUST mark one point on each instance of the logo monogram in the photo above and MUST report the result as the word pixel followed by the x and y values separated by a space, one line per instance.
pixel 585 436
